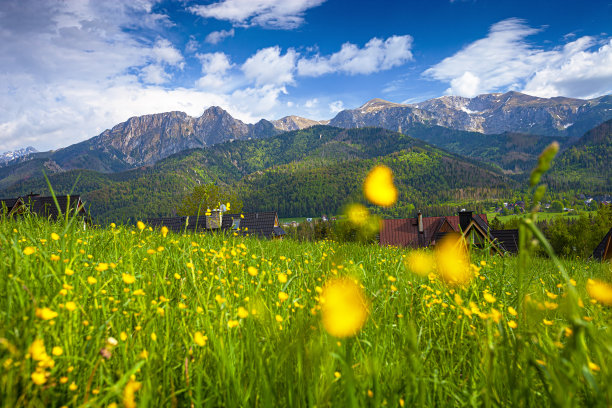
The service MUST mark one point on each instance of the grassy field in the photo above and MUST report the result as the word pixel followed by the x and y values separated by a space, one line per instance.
pixel 541 215
pixel 129 317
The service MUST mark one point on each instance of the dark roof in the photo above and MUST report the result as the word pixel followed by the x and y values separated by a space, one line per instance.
pixel 405 232
pixel 45 206
pixel 259 223
pixel 508 239
pixel 604 249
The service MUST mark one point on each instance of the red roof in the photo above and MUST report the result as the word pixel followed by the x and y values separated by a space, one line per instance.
pixel 405 232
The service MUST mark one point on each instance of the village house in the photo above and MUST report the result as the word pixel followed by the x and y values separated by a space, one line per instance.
pixel 603 251
pixel 44 206
pixel 421 232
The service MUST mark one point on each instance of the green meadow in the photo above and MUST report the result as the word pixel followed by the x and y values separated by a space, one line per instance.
pixel 122 316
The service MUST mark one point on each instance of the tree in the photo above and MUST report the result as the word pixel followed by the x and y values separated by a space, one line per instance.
pixel 556 206
pixel 209 197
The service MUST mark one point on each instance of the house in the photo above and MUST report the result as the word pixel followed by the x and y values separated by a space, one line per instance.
pixel 44 206
pixel 420 232
pixel 263 224
pixel 603 251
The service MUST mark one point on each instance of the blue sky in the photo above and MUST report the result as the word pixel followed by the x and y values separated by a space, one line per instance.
pixel 70 69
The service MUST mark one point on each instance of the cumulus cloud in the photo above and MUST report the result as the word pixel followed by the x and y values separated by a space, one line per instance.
pixel 336 107
pixel 504 60
pixel 214 67
pixel 217 36
pixel 269 67
pixel 279 14
pixel 376 55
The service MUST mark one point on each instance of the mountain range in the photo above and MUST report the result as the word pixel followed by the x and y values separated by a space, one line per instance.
pixel 498 134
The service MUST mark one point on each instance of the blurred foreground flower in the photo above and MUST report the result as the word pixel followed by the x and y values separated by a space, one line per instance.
pixel 344 306
pixel 452 260
pixel 419 262
pixel 378 186
pixel 45 313
pixel 128 393
pixel 600 291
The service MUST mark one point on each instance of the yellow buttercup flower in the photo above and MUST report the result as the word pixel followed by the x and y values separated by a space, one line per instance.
pixel 242 312
pixel 164 231
pixel 282 296
pixel 45 313
pixel 102 267
pixel 252 271
pixel 282 278
pixel 141 226
pixel 419 262
pixel 39 377
pixel 378 187
pixel 37 350
pixel 128 279
pixel 489 297
pixel 70 306
pixel 29 250
pixel 600 291
pixel 452 260
pixel 344 307
pixel 57 351
pixel 200 339
pixel 128 393
pixel 91 280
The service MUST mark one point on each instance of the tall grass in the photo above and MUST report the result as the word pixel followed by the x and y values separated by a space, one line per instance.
pixel 423 345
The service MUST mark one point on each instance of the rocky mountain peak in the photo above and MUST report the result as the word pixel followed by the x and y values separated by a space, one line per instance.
pixel 377 104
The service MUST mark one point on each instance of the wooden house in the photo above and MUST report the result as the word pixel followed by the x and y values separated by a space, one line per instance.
pixel 421 232
pixel 603 251
pixel 44 206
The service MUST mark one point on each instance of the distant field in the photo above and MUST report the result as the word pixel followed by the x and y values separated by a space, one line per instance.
pixel 128 316
pixel 541 215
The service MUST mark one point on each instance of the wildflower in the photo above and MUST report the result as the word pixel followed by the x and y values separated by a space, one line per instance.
pixel 252 271
pixel 547 322
pixel 164 231
pixel 344 307
pixel 73 387
pixel 91 280
pixel 489 298
pixel 282 278
pixel 337 374
pixel 177 276
pixel 512 324
pixel 378 186
pixel 54 236
pixel 242 312
pixel 45 313
pixel 140 225
pixel 593 366
pixel 512 311
pixel 29 250
pixel 70 306
pixel 54 257
pixel 279 318
pixel 101 267
pixel 39 377
pixel 419 262
pixel 452 261
pixel 232 323
pixel 153 336
pixel 200 339
pixel 37 350
pixel 123 336
pixel 144 354
pixel 128 279
pixel 57 351
pixel 283 296
pixel 69 272
pixel 600 291
pixel 128 393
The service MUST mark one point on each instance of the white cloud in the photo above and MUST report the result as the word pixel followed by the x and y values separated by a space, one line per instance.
pixel 336 107
pixel 215 67
pixel 217 36
pixel 311 103
pixel 376 55
pixel 504 61
pixel 268 67
pixel 164 52
pixel 282 14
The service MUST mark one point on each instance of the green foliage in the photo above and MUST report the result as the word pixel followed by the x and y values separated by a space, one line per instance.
pixel 207 197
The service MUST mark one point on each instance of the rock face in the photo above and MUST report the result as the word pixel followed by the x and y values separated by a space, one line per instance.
pixel 488 113
pixel 289 123
pixel 15 154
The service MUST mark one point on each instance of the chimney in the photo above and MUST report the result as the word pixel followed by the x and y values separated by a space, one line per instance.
pixel 420 222
pixel 465 217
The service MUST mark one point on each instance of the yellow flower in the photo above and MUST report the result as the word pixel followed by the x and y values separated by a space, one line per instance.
pixel 344 307
pixel 72 387
pixel 91 280
pixel 547 322
pixel 70 306
pixel 242 312
pixel 140 225
pixel 593 366
pixel 128 393
pixel 102 267
pixel 512 311
pixel 144 354
pixel 252 271
pixel 452 260
pixel 69 272
pixel 512 324
pixel 600 291
pixel 232 323
pixel 177 276
pixel 39 377
pixel 419 262
pixel 37 350
pixel 123 336
pixel 54 236
pixel 200 339
pixel 45 313
pixel 357 214
pixel 29 250
pixel 282 278
pixel 378 187
pixel 153 336
pixel 278 318
pixel 128 279
pixel 57 351
pixel 54 257
pixel 283 296
pixel 164 231
pixel 489 297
